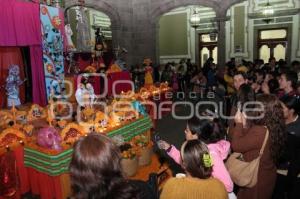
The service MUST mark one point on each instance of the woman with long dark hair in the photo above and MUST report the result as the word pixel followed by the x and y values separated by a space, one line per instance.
pixel 248 136
pixel 288 171
pixel 212 133
pixel 96 172
pixel 198 182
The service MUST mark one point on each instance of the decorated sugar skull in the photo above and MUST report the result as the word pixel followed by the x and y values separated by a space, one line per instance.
pixel 104 123
pixel 36 112
pixel 49 138
pixel 14 70
pixel 22 117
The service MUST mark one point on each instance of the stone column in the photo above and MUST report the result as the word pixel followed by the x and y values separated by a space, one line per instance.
pixel 221 41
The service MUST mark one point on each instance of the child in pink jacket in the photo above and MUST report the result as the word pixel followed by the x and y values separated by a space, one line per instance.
pixel 211 133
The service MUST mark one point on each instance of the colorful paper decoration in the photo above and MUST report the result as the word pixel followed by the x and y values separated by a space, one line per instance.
pixel 53 60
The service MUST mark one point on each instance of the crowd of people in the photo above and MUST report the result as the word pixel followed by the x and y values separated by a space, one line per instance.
pixel 95 167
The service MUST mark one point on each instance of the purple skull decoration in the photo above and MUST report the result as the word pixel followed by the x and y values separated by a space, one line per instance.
pixel 49 137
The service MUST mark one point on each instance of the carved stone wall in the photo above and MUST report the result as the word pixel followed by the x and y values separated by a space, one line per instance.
pixel 135 22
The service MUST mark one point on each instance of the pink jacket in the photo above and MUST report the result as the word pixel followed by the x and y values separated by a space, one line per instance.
pixel 219 152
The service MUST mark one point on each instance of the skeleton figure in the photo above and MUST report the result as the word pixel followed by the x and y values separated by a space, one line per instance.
pixel 13 81
pixel 69 34
pixel 83 32
pixel 81 94
pixel 36 112
pixel 91 92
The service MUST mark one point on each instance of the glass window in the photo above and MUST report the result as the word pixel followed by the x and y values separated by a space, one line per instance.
pixel 204 55
pixel 215 55
pixel 279 52
pixel 273 34
pixel 264 53
pixel 207 38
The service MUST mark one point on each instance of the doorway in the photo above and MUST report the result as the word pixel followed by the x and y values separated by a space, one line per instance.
pixel 272 43
pixel 208 47
pixel 27 74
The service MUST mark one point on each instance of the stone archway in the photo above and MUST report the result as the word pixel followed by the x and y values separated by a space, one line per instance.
pixel 161 9
pixel 107 9
pixel 166 7
pixel 219 6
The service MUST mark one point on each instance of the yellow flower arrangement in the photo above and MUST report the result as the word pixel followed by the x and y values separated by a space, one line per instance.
pixel 88 113
pixel 71 133
pixel 21 116
pixel 90 69
pixel 62 123
pixel 128 152
pixel 102 120
pixel 28 129
pixel 11 138
pixel 141 141
pixel 5 118
pixel 113 68
pixel 36 112
pixel 164 86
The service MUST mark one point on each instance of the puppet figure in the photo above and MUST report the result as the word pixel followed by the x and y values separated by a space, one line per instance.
pixel 69 33
pixel 13 81
pixel 148 72
pixel 99 41
pixel 90 90
pixel 83 32
pixel 80 94
pixel 85 95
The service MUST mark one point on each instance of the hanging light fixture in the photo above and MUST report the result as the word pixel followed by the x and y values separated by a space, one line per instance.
pixel 214 32
pixel 195 19
pixel 267 12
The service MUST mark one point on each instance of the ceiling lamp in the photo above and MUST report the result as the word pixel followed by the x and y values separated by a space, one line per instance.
pixel 195 19
pixel 214 32
pixel 267 12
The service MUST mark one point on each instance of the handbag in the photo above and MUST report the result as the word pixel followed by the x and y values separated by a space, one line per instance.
pixel 243 173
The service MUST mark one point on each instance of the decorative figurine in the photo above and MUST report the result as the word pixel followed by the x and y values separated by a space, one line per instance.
pixel 92 96
pixel 148 72
pixel 13 81
pixel 80 93
pixel 69 33
pixel 83 32
pixel 85 95
pixel 99 41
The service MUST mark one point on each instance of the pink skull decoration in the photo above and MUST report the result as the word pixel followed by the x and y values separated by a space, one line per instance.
pixel 49 137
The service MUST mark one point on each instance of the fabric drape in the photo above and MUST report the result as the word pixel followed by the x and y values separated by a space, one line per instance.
pixel 20 23
pixel 38 76
pixel 20 26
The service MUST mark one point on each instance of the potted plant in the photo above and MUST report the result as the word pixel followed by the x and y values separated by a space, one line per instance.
pixel 129 160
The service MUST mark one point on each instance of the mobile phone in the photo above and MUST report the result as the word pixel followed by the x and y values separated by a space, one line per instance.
pixel 156 138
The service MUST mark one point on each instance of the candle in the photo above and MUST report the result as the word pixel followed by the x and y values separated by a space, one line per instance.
pixel 49 117
pixel 14 112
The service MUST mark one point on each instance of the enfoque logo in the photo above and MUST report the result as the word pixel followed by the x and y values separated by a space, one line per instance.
pixel 156 105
